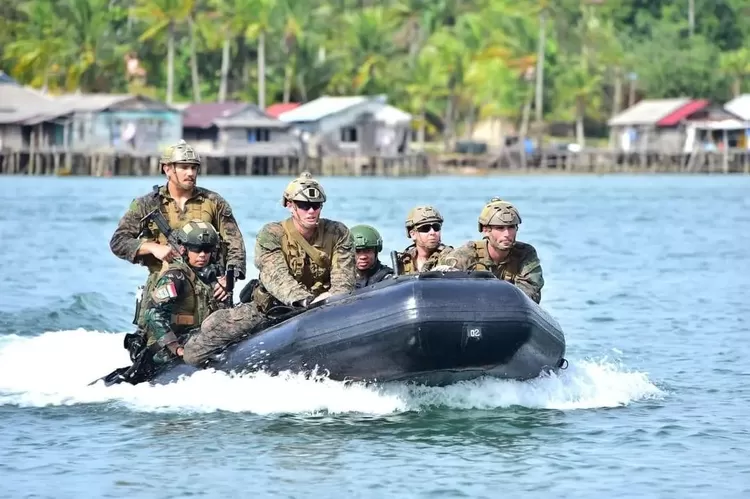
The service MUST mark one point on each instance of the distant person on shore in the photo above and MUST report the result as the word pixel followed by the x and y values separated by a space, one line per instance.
pixel 301 260
pixel 423 226
pixel 180 201
pixel 499 252
pixel 367 245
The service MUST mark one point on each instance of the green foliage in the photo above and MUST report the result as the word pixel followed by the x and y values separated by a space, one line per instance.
pixel 447 61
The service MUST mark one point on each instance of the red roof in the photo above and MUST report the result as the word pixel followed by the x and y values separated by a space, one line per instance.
pixel 675 117
pixel 203 115
pixel 275 110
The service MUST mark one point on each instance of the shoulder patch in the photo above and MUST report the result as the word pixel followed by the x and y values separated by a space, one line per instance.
pixel 165 292
pixel 133 205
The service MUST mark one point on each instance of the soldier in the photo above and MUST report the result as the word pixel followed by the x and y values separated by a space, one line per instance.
pixel 499 252
pixel 181 298
pixel 302 260
pixel 179 200
pixel 423 226
pixel 367 245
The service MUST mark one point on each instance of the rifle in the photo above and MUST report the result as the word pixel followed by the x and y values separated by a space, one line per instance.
pixel 163 225
pixel 395 262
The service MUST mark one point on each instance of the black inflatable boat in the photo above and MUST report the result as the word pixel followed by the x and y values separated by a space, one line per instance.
pixel 434 328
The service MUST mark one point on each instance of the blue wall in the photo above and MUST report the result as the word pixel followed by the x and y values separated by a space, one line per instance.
pixel 153 130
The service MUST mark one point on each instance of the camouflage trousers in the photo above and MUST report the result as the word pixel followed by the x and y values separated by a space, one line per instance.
pixel 219 330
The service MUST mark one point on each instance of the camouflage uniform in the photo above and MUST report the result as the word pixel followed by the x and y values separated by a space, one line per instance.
pixel 407 259
pixel 203 205
pixel 520 267
pixel 180 300
pixel 367 237
pixel 292 272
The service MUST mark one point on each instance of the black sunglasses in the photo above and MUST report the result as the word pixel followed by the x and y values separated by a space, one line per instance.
pixel 426 228
pixel 203 248
pixel 306 205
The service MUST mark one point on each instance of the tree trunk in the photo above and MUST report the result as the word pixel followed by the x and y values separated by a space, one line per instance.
pixel 170 63
pixel 262 71
pixel 422 128
pixel 225 55
pixel 525 117
pixel 539 96
pixel 616 102
pixel 194 62
pixel 302 88
pixel 737 86
pixel 580 113
pixel 289 77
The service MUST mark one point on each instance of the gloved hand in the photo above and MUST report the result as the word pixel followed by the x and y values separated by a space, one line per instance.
pixel 444 268
pixel 321 297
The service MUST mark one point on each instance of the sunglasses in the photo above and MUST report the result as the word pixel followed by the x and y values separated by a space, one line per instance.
pixel 204 248
pixel 307 205
pixel 426 228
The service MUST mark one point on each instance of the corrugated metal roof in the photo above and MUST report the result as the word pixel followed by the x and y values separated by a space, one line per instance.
pixel 325 106
pixel 648 112
pixel 675 117
pixel 90 102
pixel 251 122
pixel 274 110
pixel 739 106
pixel 27 106
pixel 392 115
pixel 20 103
pixel 204 114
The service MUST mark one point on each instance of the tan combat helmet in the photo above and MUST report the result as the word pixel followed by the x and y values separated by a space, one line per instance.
pixel 304 188
pixel 420 215
pixel 180 153
pixel 498 213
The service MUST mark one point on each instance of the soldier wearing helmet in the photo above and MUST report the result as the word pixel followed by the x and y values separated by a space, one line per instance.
pixel 300 260
pixel 183 295
pixel 423 225
pixel 367 245
pixel 180 200
pixel 499 252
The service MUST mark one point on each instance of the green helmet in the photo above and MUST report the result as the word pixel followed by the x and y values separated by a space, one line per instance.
pixel 498 213
pixel 420 215
pixel 367 237
pixel 180 153
pixel 304 188
pixel 198 233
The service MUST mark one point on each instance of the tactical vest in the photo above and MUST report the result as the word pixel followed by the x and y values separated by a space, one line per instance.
pixel 193 305
pixel 381 273
pixel 407 262
pixel 307 264
pixel 507 271
pixel 198 207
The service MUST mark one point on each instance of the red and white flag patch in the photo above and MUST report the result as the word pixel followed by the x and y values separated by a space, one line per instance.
pixel 165 293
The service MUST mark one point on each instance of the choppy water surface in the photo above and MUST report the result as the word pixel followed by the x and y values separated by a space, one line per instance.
pixel 647 275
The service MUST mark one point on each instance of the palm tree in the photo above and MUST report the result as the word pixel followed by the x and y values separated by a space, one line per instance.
pixel 258 29
pixel 164 16
pixel 40 42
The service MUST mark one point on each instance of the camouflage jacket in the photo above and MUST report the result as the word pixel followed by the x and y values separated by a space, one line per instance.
pixel 178 303
pixel 204 205
pixel 373 275
pixel 407 259
pixel 289 274
pixel 522 267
